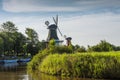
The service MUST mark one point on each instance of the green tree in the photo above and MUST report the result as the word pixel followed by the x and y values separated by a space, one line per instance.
pixel 1 46
pixel 102 46
pixel 105 46
pixel 8 27
pixel 81 49
pixel 76 47
pixel 19 41
pixel 32 35
pixel 12 39
pixel 32 40
pixel 7 43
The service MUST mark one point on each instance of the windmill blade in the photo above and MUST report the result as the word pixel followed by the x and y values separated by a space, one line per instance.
pixel 59 31
pixel 54 21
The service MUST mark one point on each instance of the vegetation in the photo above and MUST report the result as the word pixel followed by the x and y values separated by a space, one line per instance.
pixel 103 46
pixel 90 65
pixel 52 48
pixel 37 59
pixel 15 43
pixel 98 61
pixel 78 48
pixel 66 61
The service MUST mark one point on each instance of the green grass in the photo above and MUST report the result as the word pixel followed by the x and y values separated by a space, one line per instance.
pixel 86 65
pixel 36 60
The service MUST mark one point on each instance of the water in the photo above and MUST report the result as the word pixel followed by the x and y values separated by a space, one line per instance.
pixel 13 71
pixel 17 71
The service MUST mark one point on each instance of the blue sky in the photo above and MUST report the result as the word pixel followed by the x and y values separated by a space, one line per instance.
pixel 86 21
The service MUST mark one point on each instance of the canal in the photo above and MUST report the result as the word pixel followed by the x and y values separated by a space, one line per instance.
pixel 17 71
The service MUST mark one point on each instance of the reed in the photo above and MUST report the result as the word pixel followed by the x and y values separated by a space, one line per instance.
pixel 84 65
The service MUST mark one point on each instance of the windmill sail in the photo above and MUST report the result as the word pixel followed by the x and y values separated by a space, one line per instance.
pixel 60 31
pixel 56 22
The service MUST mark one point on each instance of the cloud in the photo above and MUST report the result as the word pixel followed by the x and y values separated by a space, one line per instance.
pixel 34 6
pixel 58 5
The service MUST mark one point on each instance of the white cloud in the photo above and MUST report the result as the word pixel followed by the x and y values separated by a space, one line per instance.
pixel 58 5
pixel 32 6
pixel 99 3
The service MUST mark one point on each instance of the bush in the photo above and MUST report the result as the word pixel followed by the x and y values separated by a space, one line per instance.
pixel 63 49
pixel 36 60
pixel 52 48
pixel 103 46
pixel 81 49
pixel 86 65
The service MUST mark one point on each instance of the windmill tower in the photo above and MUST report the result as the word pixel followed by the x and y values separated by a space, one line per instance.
pixel 52 33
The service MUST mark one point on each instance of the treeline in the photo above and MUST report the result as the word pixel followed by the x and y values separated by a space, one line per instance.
pixel 102 46
pixel 14 43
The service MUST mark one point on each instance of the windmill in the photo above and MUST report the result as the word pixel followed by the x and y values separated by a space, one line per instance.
pixel 66 38
pixel 52 34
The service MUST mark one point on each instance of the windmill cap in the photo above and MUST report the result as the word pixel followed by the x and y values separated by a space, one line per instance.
pixel 68 38
pixel 52 26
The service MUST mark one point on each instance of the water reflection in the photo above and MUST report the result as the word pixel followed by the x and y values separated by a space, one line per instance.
pixel 13 71
pixel 17 71
pixel 41 76
pixel 8 66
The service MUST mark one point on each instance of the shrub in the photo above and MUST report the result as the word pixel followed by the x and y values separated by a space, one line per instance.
pixel 36 60
pixel 90 65
pixel 103 46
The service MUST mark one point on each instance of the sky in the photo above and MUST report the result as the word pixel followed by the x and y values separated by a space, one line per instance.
pixel 86 21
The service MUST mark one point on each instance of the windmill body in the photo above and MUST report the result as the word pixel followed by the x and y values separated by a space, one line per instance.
pixel 52 33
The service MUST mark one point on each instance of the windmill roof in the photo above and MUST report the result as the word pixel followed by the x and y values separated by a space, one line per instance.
pixel 52 26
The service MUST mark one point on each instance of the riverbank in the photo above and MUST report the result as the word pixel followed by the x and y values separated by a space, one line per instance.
pixel 84 65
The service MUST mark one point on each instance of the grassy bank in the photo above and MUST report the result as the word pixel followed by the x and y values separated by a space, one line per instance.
pixel 36 61
pixel 90 65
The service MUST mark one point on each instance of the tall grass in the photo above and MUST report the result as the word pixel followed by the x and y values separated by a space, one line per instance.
pixel 36 60
pixel 90 65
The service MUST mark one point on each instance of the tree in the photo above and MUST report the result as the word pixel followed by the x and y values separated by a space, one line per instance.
pixel 7 42
pixel 32 40
pixel 102 46
pixel 12 39
pixel 1 46
pixel 32 35
pixel 12 44
pixel 19 41
pixel 76 47
pixel 81 49
pixel 8 27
